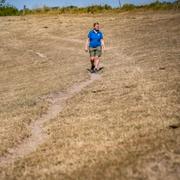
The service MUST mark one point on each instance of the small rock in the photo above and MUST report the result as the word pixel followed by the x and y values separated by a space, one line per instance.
pixel 174 126
pixel 162 68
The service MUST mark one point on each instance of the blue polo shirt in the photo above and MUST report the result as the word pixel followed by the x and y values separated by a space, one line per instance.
pixel 95 38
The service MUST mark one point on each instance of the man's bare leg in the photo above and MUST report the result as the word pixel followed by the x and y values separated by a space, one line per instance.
pixel 92 59
pixel 97 61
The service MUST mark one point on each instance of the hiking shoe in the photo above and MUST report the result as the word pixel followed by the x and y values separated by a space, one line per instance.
pixel 92 67
pixel 92 71
pixel 95 70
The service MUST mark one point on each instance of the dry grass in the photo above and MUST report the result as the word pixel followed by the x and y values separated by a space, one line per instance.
pixel 117 128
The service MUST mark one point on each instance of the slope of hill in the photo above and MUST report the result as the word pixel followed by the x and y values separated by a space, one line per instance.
pixel 123 124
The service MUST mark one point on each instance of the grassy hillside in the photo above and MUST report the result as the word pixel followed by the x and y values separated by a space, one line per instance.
pixel 124 125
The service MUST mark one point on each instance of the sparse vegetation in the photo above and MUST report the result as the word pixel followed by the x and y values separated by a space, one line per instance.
pixel 6 9
pixel 9 11
pixel 107 8
pixel 163 5
pixel 128 7
pixel 123 126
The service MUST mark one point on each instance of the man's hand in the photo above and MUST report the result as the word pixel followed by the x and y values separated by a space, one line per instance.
pixel 87 45
pixel 86 49
pixel 103 48
pixel 103 45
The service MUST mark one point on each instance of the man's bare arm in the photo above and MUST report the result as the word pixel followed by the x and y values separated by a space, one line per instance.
pixel 103 44
pixel 87 45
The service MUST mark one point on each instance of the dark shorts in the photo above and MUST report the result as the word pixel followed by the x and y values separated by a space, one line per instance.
pixel 95 52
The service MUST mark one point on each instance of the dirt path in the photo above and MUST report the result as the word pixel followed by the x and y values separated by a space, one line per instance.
pixel 38 136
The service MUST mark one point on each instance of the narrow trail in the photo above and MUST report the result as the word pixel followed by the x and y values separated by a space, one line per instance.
pixel 38 136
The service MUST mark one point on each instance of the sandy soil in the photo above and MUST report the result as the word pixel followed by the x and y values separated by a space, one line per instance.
pixel 58 123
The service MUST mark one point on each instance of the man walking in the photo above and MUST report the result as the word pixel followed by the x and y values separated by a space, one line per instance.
pixel 95 45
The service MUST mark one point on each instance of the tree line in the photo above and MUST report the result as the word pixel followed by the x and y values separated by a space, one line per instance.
pixel 8 10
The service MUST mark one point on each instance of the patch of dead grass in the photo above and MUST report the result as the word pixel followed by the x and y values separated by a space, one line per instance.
pixel 117 128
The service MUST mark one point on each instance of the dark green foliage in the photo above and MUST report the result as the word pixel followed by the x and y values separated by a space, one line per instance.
pixel 8 11
pixel 128 7
pixel 160 5
pixel 157 5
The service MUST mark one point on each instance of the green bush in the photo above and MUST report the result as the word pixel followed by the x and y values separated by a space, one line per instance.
pixel 128 7
pixel 46 9
pixel 8 11
pixel 157 5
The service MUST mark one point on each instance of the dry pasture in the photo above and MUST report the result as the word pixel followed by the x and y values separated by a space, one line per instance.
pixel 125 124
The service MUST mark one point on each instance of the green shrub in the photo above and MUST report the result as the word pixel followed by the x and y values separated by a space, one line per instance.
pixel 8 11
pixel 157 5
pixel 128 7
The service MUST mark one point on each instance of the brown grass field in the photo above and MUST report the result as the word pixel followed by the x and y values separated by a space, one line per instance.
pixel 60 122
